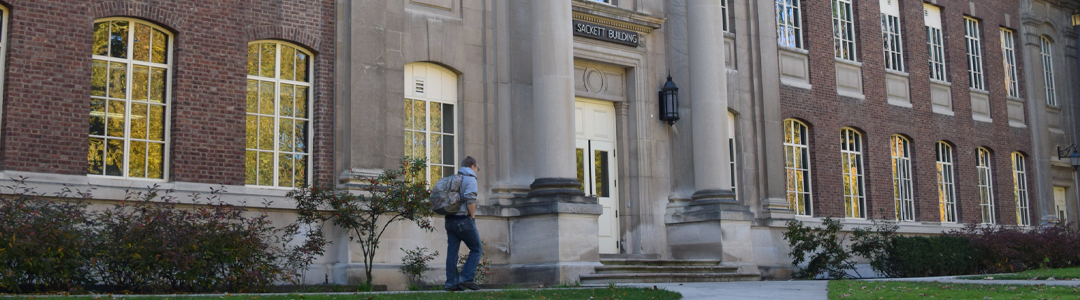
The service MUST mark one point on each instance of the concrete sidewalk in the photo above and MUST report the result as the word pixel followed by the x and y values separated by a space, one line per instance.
pixel 800 289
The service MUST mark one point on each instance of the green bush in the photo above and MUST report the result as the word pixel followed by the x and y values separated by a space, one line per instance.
pixel 822 246
pixel 942 255
pixel 42 242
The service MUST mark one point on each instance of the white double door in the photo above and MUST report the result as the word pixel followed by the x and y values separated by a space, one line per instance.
pixel 594 129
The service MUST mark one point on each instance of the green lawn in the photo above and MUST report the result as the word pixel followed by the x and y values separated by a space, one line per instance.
pixel 600 293
pixel 856 289
pixel 1039 274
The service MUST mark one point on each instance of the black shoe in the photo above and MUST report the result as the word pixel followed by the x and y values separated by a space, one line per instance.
pixel 453 289
pixel 469 285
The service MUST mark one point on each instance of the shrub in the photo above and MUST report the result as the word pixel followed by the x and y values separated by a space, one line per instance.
pixel 42 242
pixel 823 246
pixel 940 255
pixel 483 269
pixel 1011 249
pixel 415 263
pixel 875 243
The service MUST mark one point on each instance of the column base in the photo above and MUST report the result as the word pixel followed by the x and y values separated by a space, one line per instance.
pixel 545 187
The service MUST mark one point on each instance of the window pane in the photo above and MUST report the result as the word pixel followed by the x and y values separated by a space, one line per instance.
pixel 581 168
pixel 267 56
pixel 252 131
pixel 285 101
pixel 252 96
pixel 101 38
pixel 137 159
pixel 115 118
pixel 141 44
pixel 288 58
pixel 600 159
pixel 266 98
pixel 436 149
pixel 97 117
pixel 114 157
pixel 448 118
pixel 302 67
pixel 436 118
pixel 251 163
pixel 99 78
pixel 117 80
pixel 448 150
pixel 285 136
pixel 118 39
pixel 157 85
pixel 266 133
pixel 160 47
pixel 138 120
pixel 300 168
pixel 253 60
pixel 157 122
pixel 266 168
pixel 140 77
pixel 155 164
pixel 285 170
pixel 96 156
pixel 301 136
pixel 301 101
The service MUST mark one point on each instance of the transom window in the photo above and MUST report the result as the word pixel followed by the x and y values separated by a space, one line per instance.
pixel 129 99
pixel 1008 56
pixel 901 170
pixel 986 186
pixel 843 29
pixel 851 164
pixel 789 23
pixel 1048 70
pixel 430 98
pixel 934 41
pixel 890 34
pixel 797 166
pixel 974 53
pixel 946 182
pixel 1023 213
pixel 279 105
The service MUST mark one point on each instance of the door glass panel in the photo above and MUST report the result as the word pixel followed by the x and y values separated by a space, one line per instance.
pixel 581 168
pixel 601 162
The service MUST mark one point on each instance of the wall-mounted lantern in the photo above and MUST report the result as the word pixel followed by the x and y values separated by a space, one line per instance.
pixel 669 102
pixel 1074 155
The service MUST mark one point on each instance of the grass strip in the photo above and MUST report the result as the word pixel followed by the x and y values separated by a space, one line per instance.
pixel 619 293
pixel 857 289
pixel 1037 274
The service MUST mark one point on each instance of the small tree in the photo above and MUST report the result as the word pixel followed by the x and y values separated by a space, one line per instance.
pixel 396 195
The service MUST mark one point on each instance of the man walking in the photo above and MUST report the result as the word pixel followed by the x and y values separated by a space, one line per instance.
pixel 461 227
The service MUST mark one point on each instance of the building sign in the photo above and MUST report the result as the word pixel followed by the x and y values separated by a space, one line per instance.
pixel 605 33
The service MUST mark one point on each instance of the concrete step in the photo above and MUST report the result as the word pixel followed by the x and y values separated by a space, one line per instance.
pixel 603 279
pixel 645 269
pixel 659 262
pixel 629 256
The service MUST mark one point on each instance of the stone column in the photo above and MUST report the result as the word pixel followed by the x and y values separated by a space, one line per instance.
pixel 708 96
pixel 553 100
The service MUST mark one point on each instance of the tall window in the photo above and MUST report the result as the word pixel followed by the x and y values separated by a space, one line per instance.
pixel 1048 70
pixel 3 50
pixel 430 98
pixel 129 99
pixel 797 166
pixel 934 41
pixel 789 23
pixel 843 29
pixel 278 115
pixel 731 155
pixel 1023 214
pixel 946 182
pixel 901 169
pixel 1008 57
pixel 851 163
pixel 986 186
pixel 890 34
pixel 724 15
pixel 974 53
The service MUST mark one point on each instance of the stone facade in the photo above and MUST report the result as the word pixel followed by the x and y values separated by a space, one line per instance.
pixel 510 83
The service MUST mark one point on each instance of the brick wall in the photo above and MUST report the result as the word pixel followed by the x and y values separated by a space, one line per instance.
pixel 826 112
pixel 46 105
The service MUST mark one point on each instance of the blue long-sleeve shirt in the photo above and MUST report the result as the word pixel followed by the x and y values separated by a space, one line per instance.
pixel 468 189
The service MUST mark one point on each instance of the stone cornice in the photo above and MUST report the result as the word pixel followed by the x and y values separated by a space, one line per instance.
pixel 599 13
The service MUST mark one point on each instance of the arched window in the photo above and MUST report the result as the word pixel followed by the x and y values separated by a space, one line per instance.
pixel 901 171
pixel 279 103
pixel 946 182
pixel 986 186
pixel 852 167
pixel 430 97
pixel 1023 214
pixel 3 51
pixel 1046 54
pixel 129 99
pixel 797 167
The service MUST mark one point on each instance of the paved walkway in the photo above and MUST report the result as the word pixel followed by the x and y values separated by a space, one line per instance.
pixel 801 289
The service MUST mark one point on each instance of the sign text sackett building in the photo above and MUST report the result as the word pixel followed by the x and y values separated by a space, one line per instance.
pixel 605 33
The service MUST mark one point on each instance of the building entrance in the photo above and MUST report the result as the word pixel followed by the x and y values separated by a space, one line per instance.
pixel 594 129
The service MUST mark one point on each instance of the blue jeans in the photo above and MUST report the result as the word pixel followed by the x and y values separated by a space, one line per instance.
pixel 457 231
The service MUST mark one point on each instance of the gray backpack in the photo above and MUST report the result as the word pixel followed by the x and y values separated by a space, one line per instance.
pixel 446 196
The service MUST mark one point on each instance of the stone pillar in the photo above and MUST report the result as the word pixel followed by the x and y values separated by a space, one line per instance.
pixel 553 100
pixel 554 230
pixel 708 96
pixel 713 225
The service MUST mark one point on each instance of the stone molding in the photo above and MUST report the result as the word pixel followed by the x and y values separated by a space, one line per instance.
pixel 138 10
pixel 604 14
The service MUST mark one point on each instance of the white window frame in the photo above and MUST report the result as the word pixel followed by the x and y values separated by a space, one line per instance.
pixel 1046 53
pixel 986 185
pixel 851 156
pixel 430 97
pixel 843 20
pixel 946 182
pixel 797 141
pixel 128 62
pixel 891 35
pixel 935 42
pixel 732 162
pixel 789 24
pixel 277 116
pixel 1020 190
pixel 725 18
pixel 903 192
pixel 972 36
pixel 1008 56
